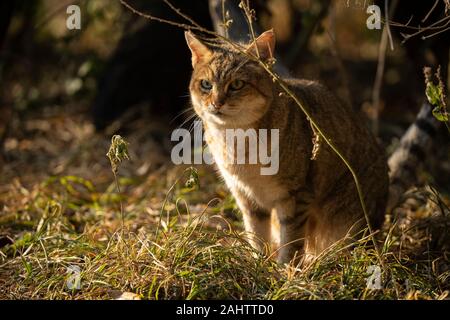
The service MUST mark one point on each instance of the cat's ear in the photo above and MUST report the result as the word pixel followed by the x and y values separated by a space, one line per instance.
pixel 198 49
pixel 265 44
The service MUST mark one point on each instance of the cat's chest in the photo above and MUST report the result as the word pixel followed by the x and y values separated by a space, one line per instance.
pixel 245 178
pixel 264 190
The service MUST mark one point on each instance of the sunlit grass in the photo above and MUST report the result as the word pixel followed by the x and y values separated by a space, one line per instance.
pixel 67 222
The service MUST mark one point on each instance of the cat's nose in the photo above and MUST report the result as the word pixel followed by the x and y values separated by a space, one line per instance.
pixel 217 104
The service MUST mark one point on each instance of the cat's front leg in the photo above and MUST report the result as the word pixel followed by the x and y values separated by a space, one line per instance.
pixel 291 219
pixel 256 221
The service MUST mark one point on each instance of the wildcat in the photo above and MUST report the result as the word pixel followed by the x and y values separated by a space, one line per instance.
pixel 310 203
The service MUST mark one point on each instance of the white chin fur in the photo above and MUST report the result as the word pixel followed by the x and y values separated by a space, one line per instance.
pixel 250 113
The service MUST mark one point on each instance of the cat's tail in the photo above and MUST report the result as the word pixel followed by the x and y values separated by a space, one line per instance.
pixel 415 144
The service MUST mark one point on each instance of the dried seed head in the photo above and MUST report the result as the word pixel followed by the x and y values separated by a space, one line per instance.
pixel 118 151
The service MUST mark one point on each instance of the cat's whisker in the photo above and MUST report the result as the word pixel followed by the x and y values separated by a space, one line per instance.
pixel 194 123
pixel 190 109
pixel 192 116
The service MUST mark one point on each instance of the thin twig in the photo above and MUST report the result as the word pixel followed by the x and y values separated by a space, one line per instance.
pixel 435 34
pixel 376 91
pixel 430 27
pixel 386 13
pixel 181 14
pixel 248 16
pixel 122 215
pixel 224 19
pixel 162 20
pixel 431 10
pixel 446 21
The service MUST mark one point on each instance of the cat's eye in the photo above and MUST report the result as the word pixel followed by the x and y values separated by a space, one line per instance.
pixel 237 85
pixel 206 85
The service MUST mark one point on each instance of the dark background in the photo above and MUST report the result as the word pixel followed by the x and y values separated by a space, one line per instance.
pixel 124 74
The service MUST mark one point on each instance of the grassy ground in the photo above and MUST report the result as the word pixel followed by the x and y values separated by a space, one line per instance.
pixel 60 212
pixel 60 216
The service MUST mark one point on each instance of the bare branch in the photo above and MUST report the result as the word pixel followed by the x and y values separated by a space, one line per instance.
pixel 431 10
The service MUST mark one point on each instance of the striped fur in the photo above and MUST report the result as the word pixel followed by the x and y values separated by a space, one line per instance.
pixel 308 205
pixel 414 147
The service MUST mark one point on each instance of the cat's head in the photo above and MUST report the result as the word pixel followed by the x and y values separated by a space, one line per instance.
pixel 227 87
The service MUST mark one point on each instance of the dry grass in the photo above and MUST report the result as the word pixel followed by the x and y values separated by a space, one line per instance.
pixel 194 248
pixel 60 209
